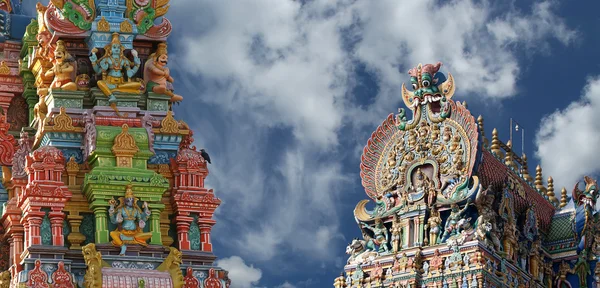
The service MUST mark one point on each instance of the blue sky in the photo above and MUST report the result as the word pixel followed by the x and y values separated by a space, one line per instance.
pixel 284 94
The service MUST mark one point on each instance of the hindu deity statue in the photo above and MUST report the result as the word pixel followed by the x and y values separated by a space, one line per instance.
pixel 396 234
pixel 424 185
pixel 451 227
pixel 434 224
pixel 63 69
pixel 510 239
pixel 157 74
pixel 380 232
pixel 534 259
pixel 111 66
pixel 561 277
pixel 130 220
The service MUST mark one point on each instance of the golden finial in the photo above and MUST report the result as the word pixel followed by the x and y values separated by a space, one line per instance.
pixel 525 169
pixel 496 144
pixel 550 191
pixel 508 159
pixel 563 197
pixel 482 131
pixel 465 105
pixel 538 179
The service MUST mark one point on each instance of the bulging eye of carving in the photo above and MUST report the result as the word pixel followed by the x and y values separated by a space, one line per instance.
pixel 415 87
pixel 426 83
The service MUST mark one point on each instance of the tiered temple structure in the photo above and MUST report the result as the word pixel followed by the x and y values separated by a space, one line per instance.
pixel 101 186
pixel 454 209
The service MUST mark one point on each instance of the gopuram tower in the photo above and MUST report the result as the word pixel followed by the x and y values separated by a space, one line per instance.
pixel 101 185
pixel 453 208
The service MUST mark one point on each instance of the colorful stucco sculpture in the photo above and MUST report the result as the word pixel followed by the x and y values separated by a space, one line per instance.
pixel 463 211
pixel 100 183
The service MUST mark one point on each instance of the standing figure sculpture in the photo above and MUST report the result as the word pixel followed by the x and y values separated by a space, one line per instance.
pixel 156 74
pixel 111 66
pixel 396 234
pixel 451 227
pixel 130 220
pixel 434 224
pixel 510 239
pixel 381 236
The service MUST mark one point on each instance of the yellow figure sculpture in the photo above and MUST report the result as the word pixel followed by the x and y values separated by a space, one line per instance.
pixel 130 220
pixel 156 74
pixel 111 66
pixel 63 70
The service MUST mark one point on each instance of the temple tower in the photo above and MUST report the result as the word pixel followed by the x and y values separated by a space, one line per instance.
pixel 101 184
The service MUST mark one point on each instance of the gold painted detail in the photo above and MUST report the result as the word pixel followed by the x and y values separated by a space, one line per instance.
pixel 445 143
pixel 4 69
pixel 103 25
pixel 169 125
pixel 63 122
pixel 124 147
pixel 171 265
pixel 93 261
pixel 126 27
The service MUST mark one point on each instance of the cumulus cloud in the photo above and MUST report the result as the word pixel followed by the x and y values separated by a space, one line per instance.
pixel 576 126
pixel 278 77
pixel 241 275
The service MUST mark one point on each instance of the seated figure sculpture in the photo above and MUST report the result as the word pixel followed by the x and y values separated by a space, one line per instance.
pixel 62 71
pixel 130 220
pixel 111 66
pixel 156 74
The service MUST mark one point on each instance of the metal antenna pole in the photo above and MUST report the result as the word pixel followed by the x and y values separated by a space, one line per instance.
pixel 522 141
pixel 511 128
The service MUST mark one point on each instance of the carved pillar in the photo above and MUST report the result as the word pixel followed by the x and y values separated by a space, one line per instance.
pixel 11 220
pixel 405 233
pixel 101 224
pixel 33 221
pixel 205 226
pixel 75 237
pixel 155 226
pixel 167 240
pixel 57 219
pixel 26 242
pixel 183 227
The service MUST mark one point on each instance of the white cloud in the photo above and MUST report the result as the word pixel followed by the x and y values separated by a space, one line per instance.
pixel 281 73
pixel 241 275
pixel 576 126
pixel 286 285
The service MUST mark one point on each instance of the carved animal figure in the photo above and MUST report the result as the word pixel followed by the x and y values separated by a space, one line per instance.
pixel 360 250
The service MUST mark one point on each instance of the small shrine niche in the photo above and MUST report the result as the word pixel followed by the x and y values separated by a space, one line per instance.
pixel 124 148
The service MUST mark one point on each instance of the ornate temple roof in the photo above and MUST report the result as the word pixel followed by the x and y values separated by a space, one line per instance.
pixel 425 174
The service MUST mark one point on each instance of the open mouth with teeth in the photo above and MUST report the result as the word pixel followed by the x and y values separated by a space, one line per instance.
pixel 586 201
pixel 85 11
pixel 432 100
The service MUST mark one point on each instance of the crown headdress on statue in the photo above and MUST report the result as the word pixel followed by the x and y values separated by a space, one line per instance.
pixel 115 39
pixel 427 68
pixel 129 191
pixel 161 50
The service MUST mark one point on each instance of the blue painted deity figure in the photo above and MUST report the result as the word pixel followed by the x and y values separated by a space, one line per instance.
pixel 130 220
pixel 111 66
